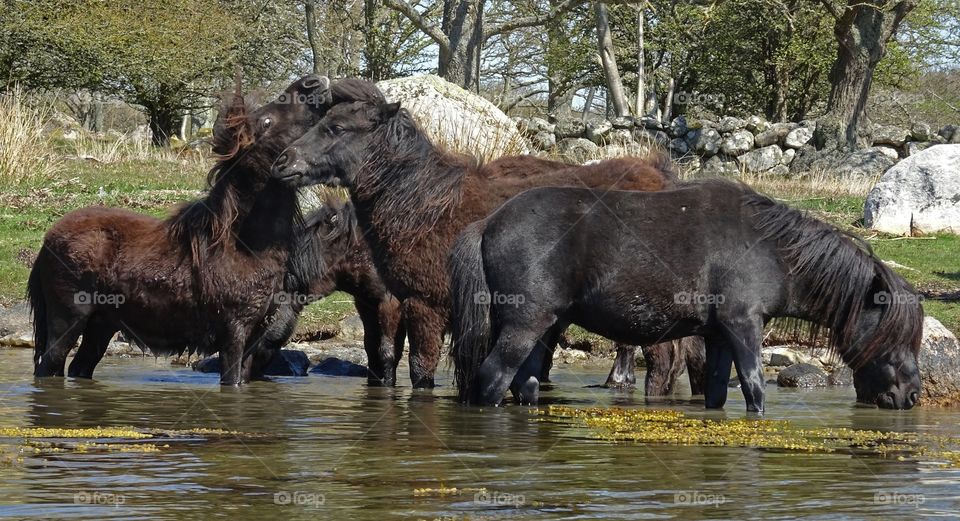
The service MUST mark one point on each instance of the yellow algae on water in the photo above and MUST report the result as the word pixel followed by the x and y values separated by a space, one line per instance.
pixel 674 428
pixel 93 432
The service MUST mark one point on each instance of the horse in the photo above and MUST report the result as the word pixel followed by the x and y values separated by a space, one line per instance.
pixel 412 199
pixel 731 260
pixel 201 280
pixel 329 256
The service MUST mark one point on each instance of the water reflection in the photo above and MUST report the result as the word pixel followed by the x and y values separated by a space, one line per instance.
pixel 333 448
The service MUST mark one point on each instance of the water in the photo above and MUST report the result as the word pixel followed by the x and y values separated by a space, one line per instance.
pixel 340 450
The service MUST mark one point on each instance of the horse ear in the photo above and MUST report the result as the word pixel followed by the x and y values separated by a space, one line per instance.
pixel 388 110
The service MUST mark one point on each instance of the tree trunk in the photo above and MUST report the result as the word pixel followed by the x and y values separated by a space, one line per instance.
pixel 311 19
pixel 162 124
pixel 463 26
pixel 588 105
pixel 608 60
pixel 641 73
pixel 668 102
pixel 862 32
pixel 376 44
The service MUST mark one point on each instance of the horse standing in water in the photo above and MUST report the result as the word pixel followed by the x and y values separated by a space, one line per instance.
pixel 328 256
pixel 412 199
pixel 731 260
pixel 202 280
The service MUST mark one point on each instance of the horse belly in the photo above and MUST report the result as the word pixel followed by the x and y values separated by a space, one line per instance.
pixel 637 322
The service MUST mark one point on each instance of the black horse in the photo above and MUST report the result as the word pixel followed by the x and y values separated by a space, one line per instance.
pixel 329 255
pixel 730 261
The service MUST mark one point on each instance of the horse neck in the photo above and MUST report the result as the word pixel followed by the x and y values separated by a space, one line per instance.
pixel 392 200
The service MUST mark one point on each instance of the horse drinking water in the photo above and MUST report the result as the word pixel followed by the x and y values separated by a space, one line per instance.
pixel 730 261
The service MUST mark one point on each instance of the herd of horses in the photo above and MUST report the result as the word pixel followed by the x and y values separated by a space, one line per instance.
pixel 503 256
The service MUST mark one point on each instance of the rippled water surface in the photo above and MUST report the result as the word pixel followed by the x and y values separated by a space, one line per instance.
pixel 337 449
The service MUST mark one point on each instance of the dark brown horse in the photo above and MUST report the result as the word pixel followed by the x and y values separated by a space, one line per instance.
pixel 412 199
pixel 329 256
pixel 202 280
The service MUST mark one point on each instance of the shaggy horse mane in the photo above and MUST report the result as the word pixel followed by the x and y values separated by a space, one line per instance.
pixel 408 171
pixel 205 224
pixel 842 274
pixel 310 258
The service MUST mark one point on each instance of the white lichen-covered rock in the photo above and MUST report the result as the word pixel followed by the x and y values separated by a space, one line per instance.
pixel 939 362
pixel 890 136
pixel 798 137
pixel 705 141
pixel 761 159
pixel 920 194
pixel 738 142
pixel 455 118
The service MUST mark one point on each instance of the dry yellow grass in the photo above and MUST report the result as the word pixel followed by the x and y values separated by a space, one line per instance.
pixel 26 153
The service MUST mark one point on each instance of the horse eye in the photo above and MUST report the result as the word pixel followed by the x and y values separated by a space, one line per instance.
pixel 337 130
pixel 267 122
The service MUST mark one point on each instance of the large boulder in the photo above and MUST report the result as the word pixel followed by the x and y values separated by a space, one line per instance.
pixel 337 367
pixel 939 362
pixel 455 118
pixel 891 136
pixel 761 159
pixel 919 194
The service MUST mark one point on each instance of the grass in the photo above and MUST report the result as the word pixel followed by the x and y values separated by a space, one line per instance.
pixel 26 153
pixel 143 178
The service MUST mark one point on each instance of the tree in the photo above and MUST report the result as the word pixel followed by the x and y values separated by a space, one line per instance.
pixel 462 31
pixel 862 29
pixel 167 56
pixel 608 59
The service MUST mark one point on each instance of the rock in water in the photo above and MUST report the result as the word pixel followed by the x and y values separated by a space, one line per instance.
pixel 841 377
pixel 802 375
pixel 337 367
pixel 288 362
pixel 919 194
pixel 939 365
pixel 453 117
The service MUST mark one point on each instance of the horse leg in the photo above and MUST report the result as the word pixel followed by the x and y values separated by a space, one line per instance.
pixel 513 347
pixel 719 362
pixel 232 352
pixel 744 336
pixel 549 341
pixel 525 386
pixel 96 338
pixel 660 360
pixel 379 355
pixel 62 334
pixel 425 324
pixel 695 356
pixel 622 373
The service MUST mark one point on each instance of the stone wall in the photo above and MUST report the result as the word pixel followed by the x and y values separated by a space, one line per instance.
pixel 731 145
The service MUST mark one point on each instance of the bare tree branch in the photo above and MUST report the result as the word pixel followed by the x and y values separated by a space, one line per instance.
pixel 531 21
pixel 434 32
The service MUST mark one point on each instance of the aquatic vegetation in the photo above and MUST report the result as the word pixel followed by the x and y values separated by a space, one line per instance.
pixel 675 428
pixel 18 443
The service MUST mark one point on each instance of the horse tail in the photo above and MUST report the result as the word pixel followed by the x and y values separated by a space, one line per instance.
pixel 38 304
pixel 471 308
